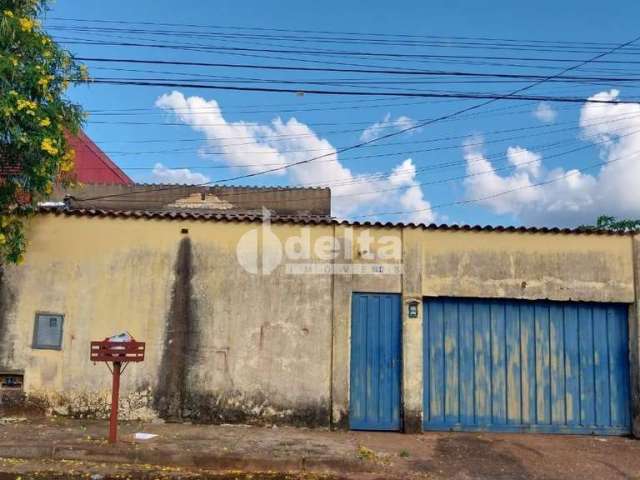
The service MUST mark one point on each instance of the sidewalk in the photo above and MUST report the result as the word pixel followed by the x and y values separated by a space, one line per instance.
pixel 338 454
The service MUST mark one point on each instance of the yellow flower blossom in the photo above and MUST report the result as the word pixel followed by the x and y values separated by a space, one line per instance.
pixel 26 24
pixel 48 146
pixel 45 122
pixel 3 239
pixel 44 81
pixel 84 73
pixel 26 104
pixel 14 61
pixel 4 221
pixel 20 260
pixel 8 13
pixel 67 161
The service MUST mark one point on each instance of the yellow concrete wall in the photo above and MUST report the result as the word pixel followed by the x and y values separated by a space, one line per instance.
pixel 258 347
pixel 261 344
pixel 528 266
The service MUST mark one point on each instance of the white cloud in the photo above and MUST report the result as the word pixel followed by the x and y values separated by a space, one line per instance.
pixel 617 125
pixel 545 112
pixel 412 199
pixel 483 181
pixel 571 197
pixel 278 143
pixel 177 175
pixel 388 125
pixel 231 138
pixel 525 160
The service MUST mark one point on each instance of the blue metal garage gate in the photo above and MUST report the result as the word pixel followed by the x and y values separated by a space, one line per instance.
pixel 557 367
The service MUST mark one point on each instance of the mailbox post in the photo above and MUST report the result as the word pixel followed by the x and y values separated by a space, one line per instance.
pixel 118 353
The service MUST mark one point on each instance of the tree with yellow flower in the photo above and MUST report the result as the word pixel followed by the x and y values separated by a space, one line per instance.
pixel 35 117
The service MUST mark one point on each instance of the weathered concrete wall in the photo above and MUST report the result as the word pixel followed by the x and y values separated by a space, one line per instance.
pixel 262 343
pixel 412 356
pixel 477 264
pixel 228 345
pixel 222 344
pixel 105 277
pixel 528 266
pixel 344 285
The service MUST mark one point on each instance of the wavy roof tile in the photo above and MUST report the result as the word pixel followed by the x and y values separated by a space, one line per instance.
pixel 308 220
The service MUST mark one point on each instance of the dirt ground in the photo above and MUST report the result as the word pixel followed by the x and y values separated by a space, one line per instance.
pixel 62 448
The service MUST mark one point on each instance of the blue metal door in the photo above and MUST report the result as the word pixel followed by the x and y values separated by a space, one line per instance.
pixel 375 362
pixel 557 367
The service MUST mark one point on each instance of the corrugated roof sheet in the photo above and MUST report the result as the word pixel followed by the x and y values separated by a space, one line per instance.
pixel 307 220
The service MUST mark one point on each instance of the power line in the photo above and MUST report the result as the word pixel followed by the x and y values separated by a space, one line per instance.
pixel 313 124
pixel 476 60
pixel 441 94
pixel 243 39
pixel 528 129
pixel 408 142
pixel 568 174
pixel 608 121
pixel 444 41
pixel 384 176
pixel 441 76
pixel 379 70
pixel 305 32
pixel 429 122
pixel 374 178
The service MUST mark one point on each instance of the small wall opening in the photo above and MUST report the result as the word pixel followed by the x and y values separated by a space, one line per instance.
pixel 11 387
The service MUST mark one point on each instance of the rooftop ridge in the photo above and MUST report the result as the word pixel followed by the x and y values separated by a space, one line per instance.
pixel 310 219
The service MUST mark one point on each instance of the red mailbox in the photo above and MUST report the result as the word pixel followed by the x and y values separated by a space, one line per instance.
pixel 118 350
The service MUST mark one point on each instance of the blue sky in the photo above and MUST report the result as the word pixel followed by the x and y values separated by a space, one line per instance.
pixel 507 163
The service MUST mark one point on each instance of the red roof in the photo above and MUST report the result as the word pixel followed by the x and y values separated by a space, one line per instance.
pixel 92 165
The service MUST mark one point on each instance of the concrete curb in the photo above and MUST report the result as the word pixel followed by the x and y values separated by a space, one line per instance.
pixel 152 455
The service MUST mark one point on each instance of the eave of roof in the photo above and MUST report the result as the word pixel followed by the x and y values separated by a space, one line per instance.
pixel 308 220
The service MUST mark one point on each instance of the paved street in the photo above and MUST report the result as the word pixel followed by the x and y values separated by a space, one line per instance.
pixel 77 448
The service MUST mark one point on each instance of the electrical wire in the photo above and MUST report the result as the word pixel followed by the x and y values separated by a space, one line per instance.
pixel 568 174
pixel 488 99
